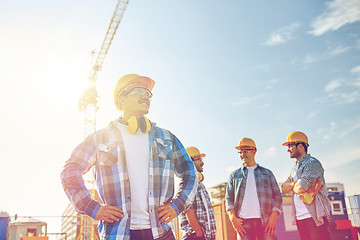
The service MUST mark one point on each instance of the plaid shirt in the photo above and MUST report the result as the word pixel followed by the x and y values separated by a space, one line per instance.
pixel 268 191
pixel 199 208
pixel 309 169
pixel 105 150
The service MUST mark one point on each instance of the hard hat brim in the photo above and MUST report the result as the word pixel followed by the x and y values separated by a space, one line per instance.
pixel 288 143
pixel 245 146
pixel 202 155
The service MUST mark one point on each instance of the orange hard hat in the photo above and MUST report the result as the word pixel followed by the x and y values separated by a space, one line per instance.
pixel 246 143
pixel 130 81
pixel 194 153
pixel 296 137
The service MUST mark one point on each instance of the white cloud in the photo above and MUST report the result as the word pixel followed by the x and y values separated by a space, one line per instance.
pixel 271 83
pixel 350 130
pixel 356 69
pixel 342 91
pixel 247 100
pixel 351 97
pixel 310 59
pixel 331 52
pixel 330 133
pixel 340 98
pixel 311 115
pixel 267 105
pixel 337 14
pixel 357 44
pixel 332 85
pixel 283 35
pixel 270 153
pixel 339 50
pixel 267 67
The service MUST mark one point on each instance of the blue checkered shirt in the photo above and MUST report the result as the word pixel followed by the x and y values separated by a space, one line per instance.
pixel 309 169
pixel 199 208
pixel 268 191
pixel 105 150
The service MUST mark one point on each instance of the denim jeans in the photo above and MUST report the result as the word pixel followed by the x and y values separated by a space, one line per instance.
pixel 255 230
pixel 146 234
pixel 309 231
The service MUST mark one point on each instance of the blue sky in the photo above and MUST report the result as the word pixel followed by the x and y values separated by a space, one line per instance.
pixel 223 71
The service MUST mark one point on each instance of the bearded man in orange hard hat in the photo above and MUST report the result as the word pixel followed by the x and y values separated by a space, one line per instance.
pixel 197 221
pixel 253 199
pixel 311 206
pixel 135 162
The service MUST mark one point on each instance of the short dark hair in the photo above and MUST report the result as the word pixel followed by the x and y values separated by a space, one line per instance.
pixel 304 145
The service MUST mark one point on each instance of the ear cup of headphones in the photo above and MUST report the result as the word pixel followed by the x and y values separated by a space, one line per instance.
pixel 201 177
pixel 133 125
pixel 144 125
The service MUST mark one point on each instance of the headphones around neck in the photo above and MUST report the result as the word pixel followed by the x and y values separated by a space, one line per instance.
pixel 135 123
pixel 201 177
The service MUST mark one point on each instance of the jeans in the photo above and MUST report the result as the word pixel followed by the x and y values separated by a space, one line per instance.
pixel 255 230
pixel 146 234
pixel 309 231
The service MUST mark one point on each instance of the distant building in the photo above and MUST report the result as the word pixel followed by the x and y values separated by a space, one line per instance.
pixel 78 226
pixel 26 226
pixel 69 224
pixel 217 193
pixel 4 223
pixel 355 210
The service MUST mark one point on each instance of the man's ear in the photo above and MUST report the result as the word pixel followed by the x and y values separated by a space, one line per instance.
pixel 121 100
pixel 302 149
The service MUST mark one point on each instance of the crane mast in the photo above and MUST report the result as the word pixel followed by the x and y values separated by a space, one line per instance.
pixel 88 101
pixel 88 104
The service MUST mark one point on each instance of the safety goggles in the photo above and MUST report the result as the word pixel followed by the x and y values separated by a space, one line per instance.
pixel 196 158
pixel 140 91
pixel 242 151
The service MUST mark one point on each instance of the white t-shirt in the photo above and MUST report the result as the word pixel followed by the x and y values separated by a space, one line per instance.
pixel 300 208
pixel 137 159
pixel 250 207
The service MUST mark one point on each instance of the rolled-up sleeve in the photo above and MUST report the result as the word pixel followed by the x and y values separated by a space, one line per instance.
pixel 189 181
pixel 72 181
pixel 312 171
pixel 276 194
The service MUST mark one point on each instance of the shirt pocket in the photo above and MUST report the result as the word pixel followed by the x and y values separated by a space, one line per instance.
pixel 107 154
pixel 164 148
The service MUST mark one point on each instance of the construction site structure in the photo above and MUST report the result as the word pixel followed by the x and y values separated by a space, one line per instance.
pixel 88 104
pixel 88 101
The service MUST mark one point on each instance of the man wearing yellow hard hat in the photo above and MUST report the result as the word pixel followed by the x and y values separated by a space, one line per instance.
pixel 311 210
pixel 253 199
pixel 135 162
pixel 197 221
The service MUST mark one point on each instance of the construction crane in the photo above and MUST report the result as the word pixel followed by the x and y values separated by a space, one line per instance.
pixel 88 101
pixel 88 104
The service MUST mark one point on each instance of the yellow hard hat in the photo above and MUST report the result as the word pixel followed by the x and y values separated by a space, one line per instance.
pixel 246 143
pixel 194 153
pixel 296 137
pixel 130 81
